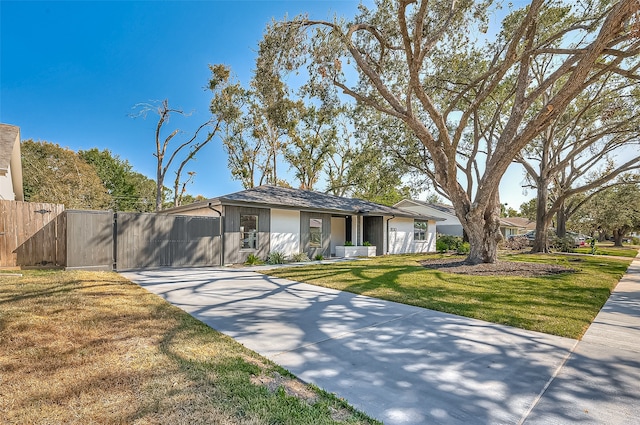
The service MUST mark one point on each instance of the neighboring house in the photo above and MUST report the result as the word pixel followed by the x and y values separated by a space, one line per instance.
pixel 269 218
pixel 512 226
pixel 448 223
pixel 10 164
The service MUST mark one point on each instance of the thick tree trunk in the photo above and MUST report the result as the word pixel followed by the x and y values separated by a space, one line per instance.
pixel 602 236
pixel 541 241
pixel 483 240
pixel 483 231
pixel 561 228
pixel 618 235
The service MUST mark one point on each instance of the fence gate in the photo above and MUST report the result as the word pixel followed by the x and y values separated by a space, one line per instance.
pixel 19 221
pixel 86 240
pixel 159 240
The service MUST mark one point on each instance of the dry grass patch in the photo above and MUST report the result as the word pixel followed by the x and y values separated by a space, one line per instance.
pixel 87 347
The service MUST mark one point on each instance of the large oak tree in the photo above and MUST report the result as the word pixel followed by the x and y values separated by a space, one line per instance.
pixel 614 211
pixel 595 140
pixel 428 65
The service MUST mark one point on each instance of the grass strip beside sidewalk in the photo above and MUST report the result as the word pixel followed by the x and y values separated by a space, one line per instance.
pixel 92 347
pixel 562 304
pixel 629 251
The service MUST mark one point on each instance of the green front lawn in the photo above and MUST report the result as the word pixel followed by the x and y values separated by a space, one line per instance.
pixel 562 304
pixel 629 251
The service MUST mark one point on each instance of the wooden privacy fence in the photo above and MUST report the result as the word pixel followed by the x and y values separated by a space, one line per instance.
pixel 19 221
pixel 103 240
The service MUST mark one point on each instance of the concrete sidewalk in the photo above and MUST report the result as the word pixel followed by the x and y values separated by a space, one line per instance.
pixel 407 365
pixel 600 383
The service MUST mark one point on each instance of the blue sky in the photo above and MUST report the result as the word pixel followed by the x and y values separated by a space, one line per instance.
pixel 71 72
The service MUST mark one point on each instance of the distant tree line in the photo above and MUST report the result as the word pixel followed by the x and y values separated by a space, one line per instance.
pixel 87 179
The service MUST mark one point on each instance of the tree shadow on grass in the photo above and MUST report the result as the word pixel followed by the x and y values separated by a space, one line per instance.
pixel 522 302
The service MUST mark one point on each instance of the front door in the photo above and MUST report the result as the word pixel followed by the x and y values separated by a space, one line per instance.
pixel 373 232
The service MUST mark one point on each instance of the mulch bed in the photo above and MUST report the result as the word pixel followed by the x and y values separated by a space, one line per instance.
pixel 500 268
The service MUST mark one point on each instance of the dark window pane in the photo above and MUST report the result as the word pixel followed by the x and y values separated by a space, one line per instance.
pixel 420 228
pixel 315 232
pixel 249 232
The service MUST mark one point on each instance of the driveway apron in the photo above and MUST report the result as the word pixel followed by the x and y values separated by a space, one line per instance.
pixel 397 363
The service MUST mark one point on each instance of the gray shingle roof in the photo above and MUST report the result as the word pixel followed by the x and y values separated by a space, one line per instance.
pixel 444 208
pixel 275 196
pixel 439 207
pixel 282 197
pixel 521 222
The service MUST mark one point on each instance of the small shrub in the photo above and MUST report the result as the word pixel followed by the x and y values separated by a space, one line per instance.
pixel 348 243
pixel 446 243
pixel 253 260
pixel 276 257
pixel 366 243
pixel 635 241
pixel 319 257
pixel 441 246
pixel 300 257
pixel 463 248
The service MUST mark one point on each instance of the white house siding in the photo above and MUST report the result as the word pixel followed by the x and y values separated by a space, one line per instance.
pixel 401 237
pixel 201 212
pixel 285 231
pixel 338 232
pixel 509 231
pixel 6 186
pixel 356 230
pixel 450 229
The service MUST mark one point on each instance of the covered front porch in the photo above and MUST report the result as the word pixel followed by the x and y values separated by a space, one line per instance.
pixel 357 235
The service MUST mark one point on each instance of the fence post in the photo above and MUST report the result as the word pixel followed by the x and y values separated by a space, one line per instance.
pixel 115 241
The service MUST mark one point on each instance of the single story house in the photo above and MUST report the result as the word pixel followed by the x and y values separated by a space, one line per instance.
pixel 10 164
pixel 513 226
pixel 270 218
pixel 448 223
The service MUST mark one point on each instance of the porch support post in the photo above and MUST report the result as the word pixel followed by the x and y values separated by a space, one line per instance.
pixel 355 242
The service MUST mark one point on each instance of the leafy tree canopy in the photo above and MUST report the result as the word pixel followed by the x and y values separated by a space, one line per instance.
pixel 58 175
pixel 471 104
pixel 89 179
pixel 129 190
pixel 614 211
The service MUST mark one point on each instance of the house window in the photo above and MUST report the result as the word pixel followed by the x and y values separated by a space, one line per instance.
pixel 315 232
pixel 248 232
pixel 420 230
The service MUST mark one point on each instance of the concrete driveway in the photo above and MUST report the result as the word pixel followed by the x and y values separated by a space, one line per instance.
pixel 399 364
